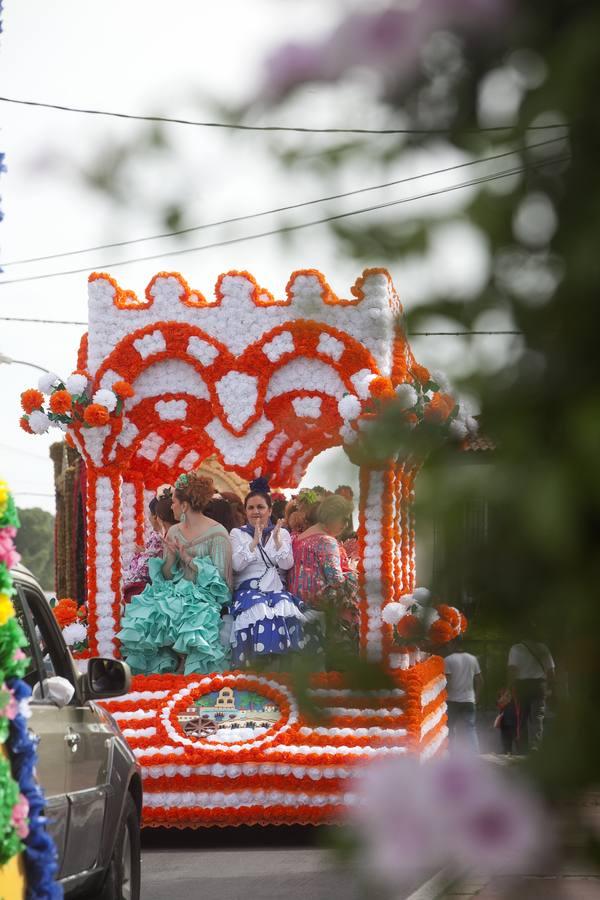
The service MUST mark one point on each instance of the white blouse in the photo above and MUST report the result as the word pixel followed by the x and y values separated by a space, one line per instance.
pixel 248 564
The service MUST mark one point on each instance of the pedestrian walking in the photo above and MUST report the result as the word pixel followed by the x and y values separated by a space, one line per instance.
pixel 464 679
pixel 530 675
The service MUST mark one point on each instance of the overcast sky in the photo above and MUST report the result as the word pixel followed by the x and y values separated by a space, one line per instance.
pixel 151 57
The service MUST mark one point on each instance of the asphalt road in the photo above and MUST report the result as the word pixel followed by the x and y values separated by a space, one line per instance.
pixel 287 863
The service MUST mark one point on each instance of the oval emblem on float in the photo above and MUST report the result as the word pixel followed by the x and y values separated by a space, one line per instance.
pixel 228 710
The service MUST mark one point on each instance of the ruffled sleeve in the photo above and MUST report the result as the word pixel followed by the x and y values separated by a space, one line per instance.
pixel 242 555
pixel 284 557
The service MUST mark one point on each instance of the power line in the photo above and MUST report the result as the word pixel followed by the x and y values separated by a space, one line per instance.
pixel 296 129
pixel 280 209
pixel 286 229
pixel 410 333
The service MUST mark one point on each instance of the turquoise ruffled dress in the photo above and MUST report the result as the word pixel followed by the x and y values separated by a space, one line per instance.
pixel 181 615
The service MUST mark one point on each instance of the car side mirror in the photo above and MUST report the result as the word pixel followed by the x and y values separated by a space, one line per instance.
pixel 106 678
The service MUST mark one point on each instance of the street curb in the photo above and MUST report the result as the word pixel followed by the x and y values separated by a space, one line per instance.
pixel 434 887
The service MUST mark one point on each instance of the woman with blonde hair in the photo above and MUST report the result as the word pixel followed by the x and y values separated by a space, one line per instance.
pixel 321 576
pixel 174 623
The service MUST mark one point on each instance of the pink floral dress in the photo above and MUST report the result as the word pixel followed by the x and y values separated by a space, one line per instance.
pixel 319 568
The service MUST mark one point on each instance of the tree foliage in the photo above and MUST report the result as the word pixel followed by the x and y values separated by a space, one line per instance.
pixel 35 543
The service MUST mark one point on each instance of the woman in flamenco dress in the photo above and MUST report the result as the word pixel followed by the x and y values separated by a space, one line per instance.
pixel 268 619
pixel 173 625
pixel 323 577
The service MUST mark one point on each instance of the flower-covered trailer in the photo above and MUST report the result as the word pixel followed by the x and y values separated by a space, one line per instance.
pixel 264 384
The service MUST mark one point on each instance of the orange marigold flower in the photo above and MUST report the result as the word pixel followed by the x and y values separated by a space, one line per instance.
pixel 24 423
pixel 65 612
pixel 123 389
pixel 32 399
pixel 408 626
pixel 439 408
pixel 441 632
pixel 381 387
pixel 96 414
pixel 61 402
pixel 449 614
pixel 421 373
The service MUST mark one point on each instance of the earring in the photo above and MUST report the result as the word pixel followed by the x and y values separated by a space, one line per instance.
pixel 182 519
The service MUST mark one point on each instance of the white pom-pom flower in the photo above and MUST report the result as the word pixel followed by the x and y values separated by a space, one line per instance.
pixel 39 422
pixel 106 398
pixel 76 384
pixel 48 381
pixel 349 407
pixel 74 634
pixel 421 594
pixel 392 613
pixel 441 379
pixel 407 600
pixel 458 430
pixel 406 396
pixel 472 424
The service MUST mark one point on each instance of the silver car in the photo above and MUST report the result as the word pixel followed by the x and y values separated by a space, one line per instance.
pixel 90 777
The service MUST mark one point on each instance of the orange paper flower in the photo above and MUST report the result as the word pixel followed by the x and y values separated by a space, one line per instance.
pixel 96 414
pixel 61 402
pixel 65 612
pixel 123 389
pixel 32 399
pixel 441 632
pixel 24 423
pixel 421 373
pixel 439 408
pixel 381 388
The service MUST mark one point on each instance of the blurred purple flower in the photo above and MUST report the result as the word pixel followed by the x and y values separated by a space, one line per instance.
pixel 389 40
pixel 453 810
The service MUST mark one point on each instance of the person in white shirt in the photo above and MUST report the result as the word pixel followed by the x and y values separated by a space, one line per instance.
pixel 530 673
pixel 464 680
pixel 268 621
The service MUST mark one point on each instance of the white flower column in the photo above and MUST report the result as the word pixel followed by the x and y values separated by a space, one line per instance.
pixel 371 562
pixel 104 561
pixel 128 522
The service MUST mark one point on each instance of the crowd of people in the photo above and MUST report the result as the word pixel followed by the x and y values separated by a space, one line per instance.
pixel 227 583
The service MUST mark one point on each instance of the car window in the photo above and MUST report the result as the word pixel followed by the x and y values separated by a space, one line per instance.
pixel 46 659
pixel 33 675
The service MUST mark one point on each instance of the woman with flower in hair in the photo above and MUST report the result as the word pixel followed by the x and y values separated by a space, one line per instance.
pixel 268 620
pixel 173 625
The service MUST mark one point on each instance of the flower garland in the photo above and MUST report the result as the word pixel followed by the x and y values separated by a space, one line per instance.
pixel 71 401
pixel 22 821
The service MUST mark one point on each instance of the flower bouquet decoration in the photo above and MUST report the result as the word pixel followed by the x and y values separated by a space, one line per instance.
pixel 414 618
pixel 62 403
pixel 73 622
pixel 386 420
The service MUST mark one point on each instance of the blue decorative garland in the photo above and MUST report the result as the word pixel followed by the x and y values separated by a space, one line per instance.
pixel 41 859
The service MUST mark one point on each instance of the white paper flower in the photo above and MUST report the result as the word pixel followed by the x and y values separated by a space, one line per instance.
pixel 407 599
pixel 421 594
pixel 349 407
pixel 47 381
pixel 472 424
pixel 406 396
pixel 457 430
pixel 441 379
pixel 74 634
pixel 105 398
pixel 76 384
pixel 39 422
pixel 392 613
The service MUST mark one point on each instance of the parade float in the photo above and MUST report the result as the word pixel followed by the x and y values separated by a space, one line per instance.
pixel 165 382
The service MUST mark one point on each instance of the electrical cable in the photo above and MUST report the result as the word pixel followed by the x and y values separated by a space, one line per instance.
pixel 280 209
pixel 290 228
pixel 285 128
